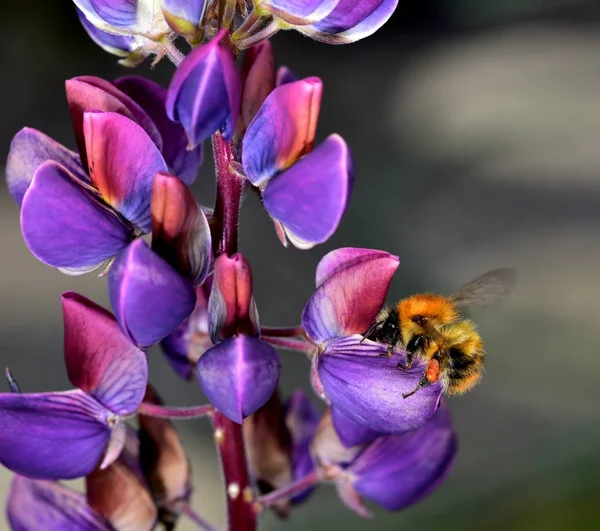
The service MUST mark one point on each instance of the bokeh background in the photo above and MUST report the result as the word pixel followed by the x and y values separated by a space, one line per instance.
pixel 475 128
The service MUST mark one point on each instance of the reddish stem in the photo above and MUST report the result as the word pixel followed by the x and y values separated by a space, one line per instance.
pixel 296 487
pixel 241 513
pixel 272 331
pixel 289 343
pixel 155 410
pixel 229 192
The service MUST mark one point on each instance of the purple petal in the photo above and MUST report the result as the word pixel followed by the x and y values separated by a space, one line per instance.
pixel 149 298
pixel 35 505
pixel 90 93
pixel 299 12
pixel 351 21
pixel 152 98
pixel 204 94
pixel 120 45
pixel 302 419
pixel 119 13
pixel 191 340
pixel 258 79
pixel 123 162
pixel 180 230
pixel 310 198
pixel 231 306
pixel 100 359
pixel 396 471
pixel 132 509
pixel 65 225
pixel 239 375
pixel 52 435
pixel 185 17
pixel 368 387
pixel 283 130
pixel 352 285
pixel 350 432
pixel 28 150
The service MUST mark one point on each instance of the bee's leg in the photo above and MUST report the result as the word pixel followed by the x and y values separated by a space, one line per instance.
pixel 416 344
pixel 422 383
pixel 388 353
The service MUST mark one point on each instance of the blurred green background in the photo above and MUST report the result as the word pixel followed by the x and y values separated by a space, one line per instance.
pixel 475 128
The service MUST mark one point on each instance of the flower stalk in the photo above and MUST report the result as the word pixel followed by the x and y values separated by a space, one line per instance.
pixel 155 410
pixel 296 487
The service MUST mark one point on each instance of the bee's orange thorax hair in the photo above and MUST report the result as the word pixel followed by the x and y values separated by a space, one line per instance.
pixel 438 310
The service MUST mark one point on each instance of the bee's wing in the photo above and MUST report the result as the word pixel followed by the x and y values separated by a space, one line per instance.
pixel 487 289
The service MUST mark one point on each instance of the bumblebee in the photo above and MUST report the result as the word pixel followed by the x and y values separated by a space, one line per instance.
pixel 430 326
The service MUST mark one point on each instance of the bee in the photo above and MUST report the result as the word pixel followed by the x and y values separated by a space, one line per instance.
pixel 430 326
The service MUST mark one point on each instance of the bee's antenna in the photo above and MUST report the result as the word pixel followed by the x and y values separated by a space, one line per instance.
pixel 12 383
pixel 371 329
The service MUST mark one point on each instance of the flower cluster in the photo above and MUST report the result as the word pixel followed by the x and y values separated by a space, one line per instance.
pixel 139 147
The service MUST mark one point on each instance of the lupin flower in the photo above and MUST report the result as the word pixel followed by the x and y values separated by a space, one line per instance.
pixel 396 471
pixel 152 291
pixel 353 373
pixel 204 94
pixel 240 373
pixel 329 21
pixel 78 212
pixel 305 191
pixel 64 435
pixel 185 17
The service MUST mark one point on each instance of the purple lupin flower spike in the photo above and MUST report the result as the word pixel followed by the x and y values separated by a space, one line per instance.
pixel 64 435
pixel 241 372
pixel 354 374
pixel 306 192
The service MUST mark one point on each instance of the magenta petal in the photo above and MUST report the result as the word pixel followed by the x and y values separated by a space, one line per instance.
pixel 90 93
pixel 180 230
pixel 239 375
pixel 204 94
pixel 368 387
pixel 310 198
pixel 191 340
pixel 37 505
pixel 152 98
pixel 28 150
pixel 100 359
pixel 350 432
pixel 396 471
pixel 123 161
pixel 65 225
pixel 258 79
pixel 149 298
pixel 353 284
pixel 283 130
pixel 351 21
pixel 231 306
pixel 52 435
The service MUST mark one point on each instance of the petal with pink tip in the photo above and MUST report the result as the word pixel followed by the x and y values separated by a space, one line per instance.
pixel 152 98
pixel 258 79
pixel 351 21
pixel 65 225
pixel 28 150
pixel 180 231
pixel 100 360
pixel 231 306
pixel 367 386
pixel 239 375
pixel 348 301
pixel 204 94
pixel 149 298
pixel 283 130
pixel 339 259
pixel 35 505
pixel 90 93
pixel 310 198
pixel 396 471
pixel 52 435
pixel 123 161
